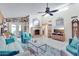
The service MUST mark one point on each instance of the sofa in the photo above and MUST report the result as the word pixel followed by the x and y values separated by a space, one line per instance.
pixel 10 46
pixel 25 37
pixel 73 46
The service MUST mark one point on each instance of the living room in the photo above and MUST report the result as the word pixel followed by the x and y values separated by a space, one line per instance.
pixel 40 26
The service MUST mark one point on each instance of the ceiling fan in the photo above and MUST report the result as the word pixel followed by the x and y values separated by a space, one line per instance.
pixel 48 11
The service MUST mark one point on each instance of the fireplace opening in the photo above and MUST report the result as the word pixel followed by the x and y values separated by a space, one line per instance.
pixel 37 32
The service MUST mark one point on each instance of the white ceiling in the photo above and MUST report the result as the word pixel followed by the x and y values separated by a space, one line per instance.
pixel 23 9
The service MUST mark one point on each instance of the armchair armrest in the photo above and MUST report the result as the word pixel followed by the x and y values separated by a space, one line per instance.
pixel 70 40
pixel 77 49
pixel 8 53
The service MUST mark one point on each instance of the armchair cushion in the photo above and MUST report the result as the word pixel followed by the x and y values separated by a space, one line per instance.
pixel 72 50
pixel 9 40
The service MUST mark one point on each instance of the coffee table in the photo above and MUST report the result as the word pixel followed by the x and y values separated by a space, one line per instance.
pixel 43 49
pixel 36 47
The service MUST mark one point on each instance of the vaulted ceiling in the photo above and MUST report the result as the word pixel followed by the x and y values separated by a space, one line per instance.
pixel 23 9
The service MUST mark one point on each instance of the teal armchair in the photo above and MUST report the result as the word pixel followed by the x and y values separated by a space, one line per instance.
pixel 73 47
pixel 25 37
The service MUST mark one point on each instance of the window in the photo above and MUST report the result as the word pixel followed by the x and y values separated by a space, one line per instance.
pixel 19 27
pixel 13 28
pixel 60 21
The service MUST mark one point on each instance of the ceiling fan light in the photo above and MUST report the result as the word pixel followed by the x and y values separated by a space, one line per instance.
pixel 47 15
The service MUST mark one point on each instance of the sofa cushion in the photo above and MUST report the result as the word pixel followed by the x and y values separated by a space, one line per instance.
pixel 71 50
pixel 74 43
pixel 9 40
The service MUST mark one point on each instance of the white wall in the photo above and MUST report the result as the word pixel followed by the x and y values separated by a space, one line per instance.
pixel 72 11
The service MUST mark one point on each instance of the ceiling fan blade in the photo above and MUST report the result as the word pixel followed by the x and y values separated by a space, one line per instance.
pixel 41 12
pixel 54 11
pixel 51 14
pixel 44 14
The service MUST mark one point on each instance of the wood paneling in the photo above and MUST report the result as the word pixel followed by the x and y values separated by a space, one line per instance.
pixel 75 27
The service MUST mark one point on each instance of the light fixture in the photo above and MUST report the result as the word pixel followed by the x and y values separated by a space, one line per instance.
pixel 47 15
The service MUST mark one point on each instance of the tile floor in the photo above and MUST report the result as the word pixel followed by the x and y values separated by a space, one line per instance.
pixel 56 45
pixel 51 42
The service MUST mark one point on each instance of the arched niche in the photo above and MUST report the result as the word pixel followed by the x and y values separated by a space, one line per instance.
pixel 36 22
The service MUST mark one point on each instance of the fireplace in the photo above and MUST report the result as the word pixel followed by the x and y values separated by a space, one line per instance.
pixel 37 32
